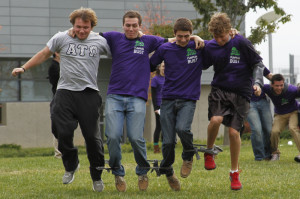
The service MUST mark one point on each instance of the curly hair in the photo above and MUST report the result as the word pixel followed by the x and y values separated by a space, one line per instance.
pixel 86 14
pixel 219 24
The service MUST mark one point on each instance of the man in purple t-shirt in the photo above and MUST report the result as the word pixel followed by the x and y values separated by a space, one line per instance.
pixel 234 60
pixel 181 90
pixel 283 97
pixel 127 95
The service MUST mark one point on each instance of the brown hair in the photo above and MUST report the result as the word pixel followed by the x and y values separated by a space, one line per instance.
pixel 277 77
pixel 133 14
pixel 183 24
pixel 219 24
pixel 86 14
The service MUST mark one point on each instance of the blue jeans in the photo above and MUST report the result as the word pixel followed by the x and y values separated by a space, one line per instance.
pixel 176 117
pixel 260 120
pixel 117 108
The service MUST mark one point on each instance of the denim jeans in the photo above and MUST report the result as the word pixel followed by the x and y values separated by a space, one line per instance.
pixel 260 120
pixel 133 109
pixel 176 117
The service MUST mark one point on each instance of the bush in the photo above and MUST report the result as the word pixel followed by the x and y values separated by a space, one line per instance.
pixel 10 146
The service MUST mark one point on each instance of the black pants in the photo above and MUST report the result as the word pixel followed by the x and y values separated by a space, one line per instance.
pixel 157 129
pixel 68 108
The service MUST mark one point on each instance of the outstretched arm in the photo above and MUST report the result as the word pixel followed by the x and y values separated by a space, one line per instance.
pixel 37 59
pixel 198 41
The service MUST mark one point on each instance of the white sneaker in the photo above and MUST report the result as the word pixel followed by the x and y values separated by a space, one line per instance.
pixel 98 185
pixel 69 176
pixel 275 157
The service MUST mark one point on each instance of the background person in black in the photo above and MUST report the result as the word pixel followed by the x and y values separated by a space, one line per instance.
pixel 156 91
pixel 53 76
pixel 53 72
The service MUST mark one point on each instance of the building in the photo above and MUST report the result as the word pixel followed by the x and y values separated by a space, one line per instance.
pixel 27 25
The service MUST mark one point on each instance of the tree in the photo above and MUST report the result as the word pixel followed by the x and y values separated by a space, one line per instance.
pixel 237 10
pixel 163 30
pixel 155 21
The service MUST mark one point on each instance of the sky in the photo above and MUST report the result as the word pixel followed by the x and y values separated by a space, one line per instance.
pixel 285 41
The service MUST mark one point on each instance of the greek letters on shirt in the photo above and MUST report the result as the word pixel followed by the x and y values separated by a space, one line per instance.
pixel 82 50
pixel 191 56
pixel 234 56
pixel 139 47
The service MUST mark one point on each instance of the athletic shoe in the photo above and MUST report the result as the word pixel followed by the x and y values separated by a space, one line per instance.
pixel 98 185
pixel 209 161
pixel 156 149
pixel 297 158
pixel 186 168
pixel 143 182
pixel 69 176
pixel 275 157
pixel 235 181
pixel 174 182
pixel 120 183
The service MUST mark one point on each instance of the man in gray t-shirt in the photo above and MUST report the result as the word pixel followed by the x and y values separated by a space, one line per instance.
pixel 76 99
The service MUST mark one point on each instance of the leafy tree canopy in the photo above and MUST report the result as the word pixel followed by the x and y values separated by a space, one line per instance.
pixel 237 10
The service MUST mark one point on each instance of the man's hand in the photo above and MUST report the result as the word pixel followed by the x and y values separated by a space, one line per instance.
pixel 17 71
pixel 157 112
pixel 141 34
pixel 233 32
pixel 257 90
pixel 71 32
pixel 198 41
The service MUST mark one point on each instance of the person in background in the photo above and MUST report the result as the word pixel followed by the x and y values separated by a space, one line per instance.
pixel 53 76
pixel 286 106
pixel 156 90
pixel 260 120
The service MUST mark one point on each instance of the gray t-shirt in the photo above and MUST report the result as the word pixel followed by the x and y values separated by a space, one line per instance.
pixel 79 60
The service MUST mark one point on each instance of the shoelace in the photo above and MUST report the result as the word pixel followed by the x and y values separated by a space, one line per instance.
pixel 98 183
pixel 143 178
pixel 68 174
pixel 119 180
pixel 171 179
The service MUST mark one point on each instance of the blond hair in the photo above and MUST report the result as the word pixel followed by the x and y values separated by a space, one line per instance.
pixel 86 14
pixel 219 24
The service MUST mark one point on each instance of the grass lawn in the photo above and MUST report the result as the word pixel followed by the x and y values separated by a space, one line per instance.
pixel 41 177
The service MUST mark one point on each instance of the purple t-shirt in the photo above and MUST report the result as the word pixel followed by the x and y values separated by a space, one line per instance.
pixel 233 64
pixel 130 74
pixel 183 69
pixel 255 98
pixel 158 82
pixel 285 102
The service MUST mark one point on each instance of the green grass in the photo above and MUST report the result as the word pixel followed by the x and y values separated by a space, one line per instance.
pixel 35 176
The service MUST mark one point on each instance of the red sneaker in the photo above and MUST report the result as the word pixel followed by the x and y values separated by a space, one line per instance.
pixel 235 181
pixel 209 161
